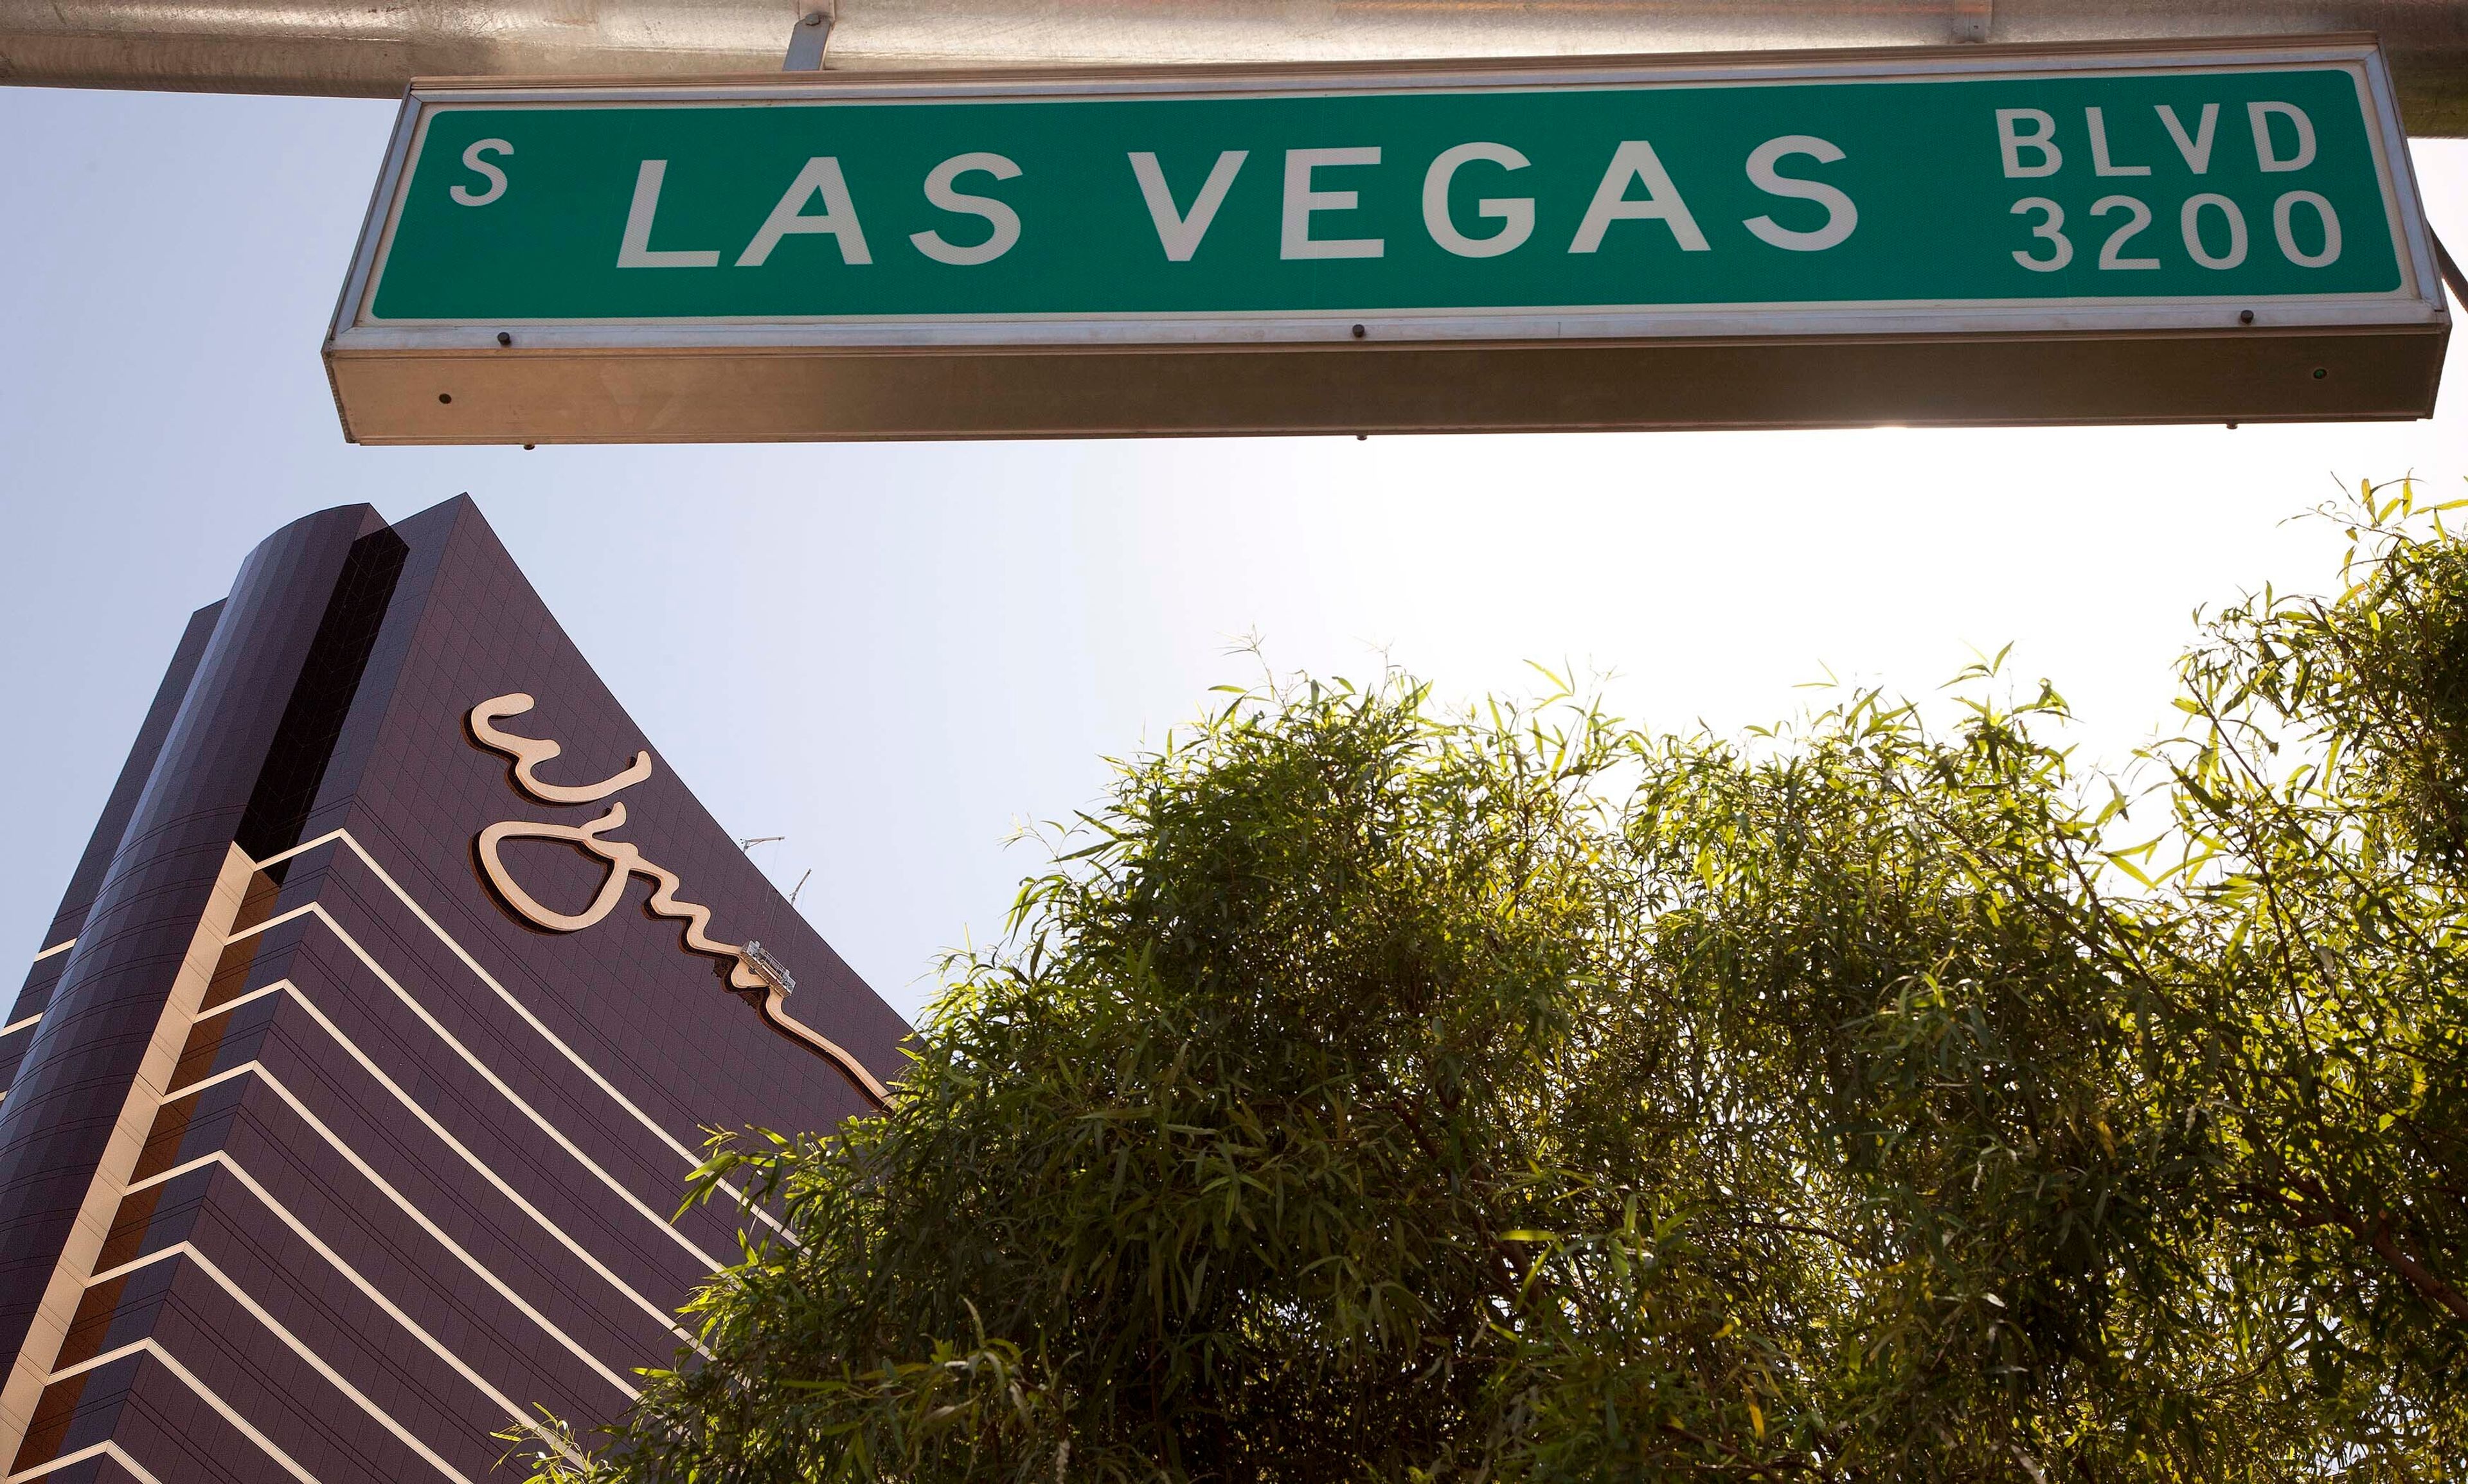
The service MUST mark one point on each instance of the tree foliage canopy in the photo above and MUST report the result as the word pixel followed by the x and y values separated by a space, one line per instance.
pixel 1371 1092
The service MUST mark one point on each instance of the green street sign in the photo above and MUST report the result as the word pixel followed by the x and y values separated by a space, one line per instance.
pixel 1944 235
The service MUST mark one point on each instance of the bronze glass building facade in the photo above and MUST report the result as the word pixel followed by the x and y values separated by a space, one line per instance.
pixel 347 1103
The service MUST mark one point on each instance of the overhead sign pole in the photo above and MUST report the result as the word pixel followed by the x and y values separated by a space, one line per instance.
pixel 355 48
pixel 1935 235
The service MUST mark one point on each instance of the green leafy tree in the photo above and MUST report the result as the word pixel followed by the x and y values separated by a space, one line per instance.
pixel 1372 1092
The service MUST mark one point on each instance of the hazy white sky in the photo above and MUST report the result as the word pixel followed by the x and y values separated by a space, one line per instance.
pixel 892 654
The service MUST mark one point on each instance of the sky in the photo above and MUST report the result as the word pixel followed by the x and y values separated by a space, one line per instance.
pixel 896 655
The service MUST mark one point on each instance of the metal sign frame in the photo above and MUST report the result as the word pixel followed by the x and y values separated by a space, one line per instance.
pixel 2071 359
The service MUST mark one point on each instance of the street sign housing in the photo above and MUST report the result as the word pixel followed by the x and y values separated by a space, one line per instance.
pixel 1955 234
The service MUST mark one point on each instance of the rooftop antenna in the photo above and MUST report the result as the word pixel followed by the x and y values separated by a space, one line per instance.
pixel 748 843
pixel 800 886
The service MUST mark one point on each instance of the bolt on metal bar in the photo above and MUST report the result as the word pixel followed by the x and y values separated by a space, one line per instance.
pixel 806 40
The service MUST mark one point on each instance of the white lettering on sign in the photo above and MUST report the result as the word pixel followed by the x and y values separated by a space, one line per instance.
pixel 1516 214
pixel 2189 223
pixel 1294 239
pixel 2196 147
pixel 1634 186
pixel 464 195
pixel 1178 233
pixel 634 249
pixel 2283 226
pixel 1634 160
pixel 1840 214
pixel 2283 141
pixel 2265 154
pixel 2100 162
pixel 2041 140
pixel 2137 216
pixel 821 177
pixel 1633 167
pixel 997 213
pixel 2050 230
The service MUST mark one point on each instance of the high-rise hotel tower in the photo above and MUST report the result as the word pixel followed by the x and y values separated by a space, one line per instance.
pixel 348 1100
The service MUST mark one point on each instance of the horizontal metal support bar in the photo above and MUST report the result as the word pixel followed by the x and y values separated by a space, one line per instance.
pixel 691 395
pixel 352 48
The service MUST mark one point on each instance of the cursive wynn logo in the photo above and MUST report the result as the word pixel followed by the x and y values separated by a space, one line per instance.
pixel 751 971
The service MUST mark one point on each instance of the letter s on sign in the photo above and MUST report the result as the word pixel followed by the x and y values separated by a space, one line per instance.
pixel 464 195
pixel 998 214
pixel 1841 216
